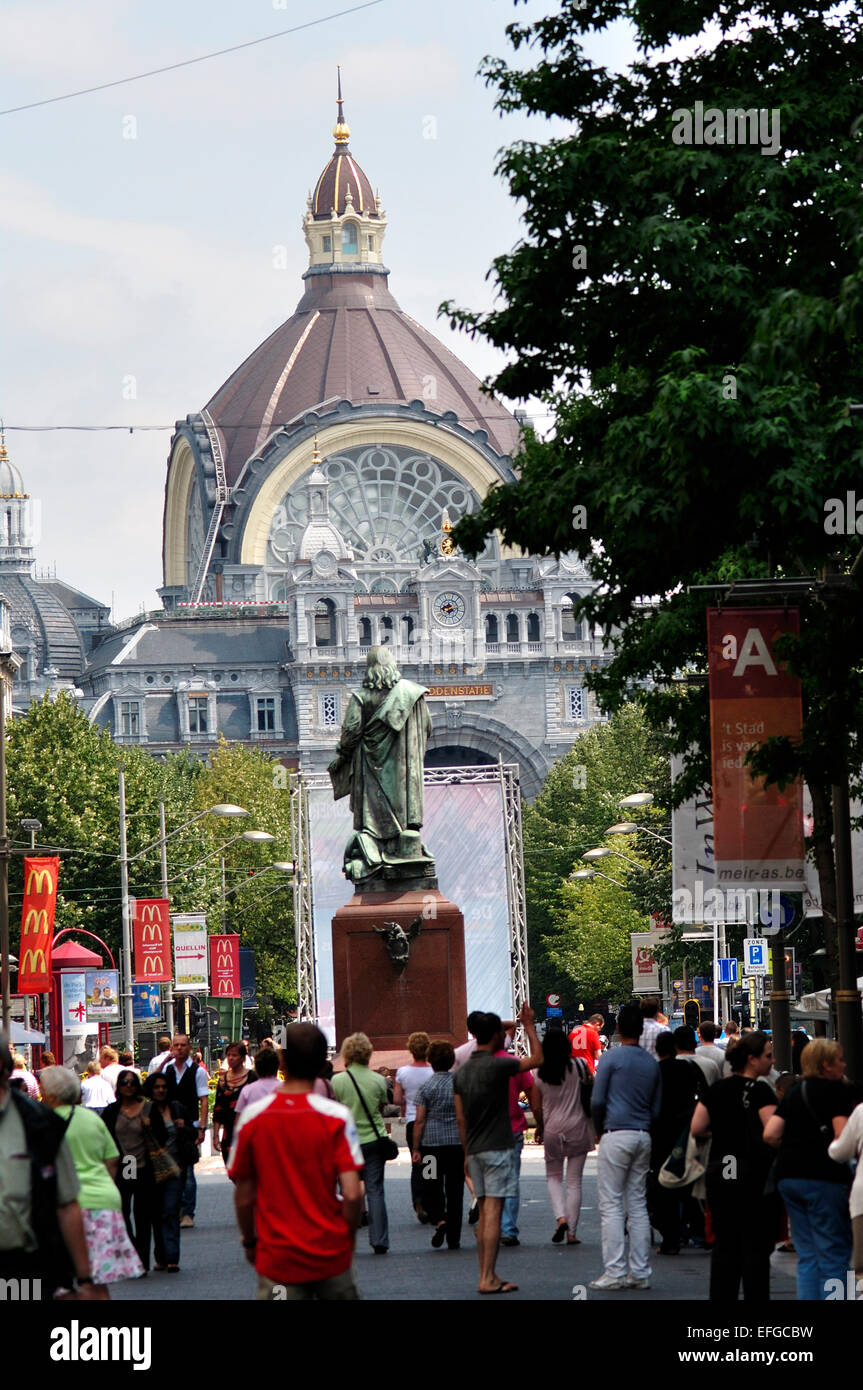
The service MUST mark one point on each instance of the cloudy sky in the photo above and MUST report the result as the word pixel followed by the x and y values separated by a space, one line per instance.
pixel 138 224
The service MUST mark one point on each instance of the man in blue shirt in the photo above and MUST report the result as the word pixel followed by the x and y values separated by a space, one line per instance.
pixel 626 1099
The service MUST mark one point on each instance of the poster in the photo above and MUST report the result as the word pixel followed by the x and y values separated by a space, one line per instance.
pixel 103 994
pixel 146 1003
pixel 151 928
pixel 37 924
pixel 645 967
pixel 758 829
pixel 225 967
pixel 73 1001
pixel 190 954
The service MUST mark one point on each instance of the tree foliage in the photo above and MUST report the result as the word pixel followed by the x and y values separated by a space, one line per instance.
pixel 578 934
pixel 699 363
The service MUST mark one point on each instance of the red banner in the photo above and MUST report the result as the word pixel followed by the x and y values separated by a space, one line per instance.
pixel 151 926
pixel 758 830
pixel 37 925
pixel 225 967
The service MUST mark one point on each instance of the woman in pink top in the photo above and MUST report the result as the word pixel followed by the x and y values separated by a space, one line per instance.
pixel 565 1129
pixel 408 1081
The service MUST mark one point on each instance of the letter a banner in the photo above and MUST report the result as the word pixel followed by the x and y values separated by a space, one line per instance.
pixel 758 830
pixel 37 925
pixel 225 967
pixel 151 927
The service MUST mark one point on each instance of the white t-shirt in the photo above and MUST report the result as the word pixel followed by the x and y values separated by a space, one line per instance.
pixel 158 1062
pixel 462 1053
pixel 96 1092
pixel 410 1079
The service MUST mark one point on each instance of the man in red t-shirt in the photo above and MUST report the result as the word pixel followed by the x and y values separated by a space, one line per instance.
pixel 584 1041
pixel 291 1152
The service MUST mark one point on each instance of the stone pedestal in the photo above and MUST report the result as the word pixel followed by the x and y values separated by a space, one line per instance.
pixel 375 995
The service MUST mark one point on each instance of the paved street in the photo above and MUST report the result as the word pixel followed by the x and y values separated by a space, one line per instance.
pixel 213 1267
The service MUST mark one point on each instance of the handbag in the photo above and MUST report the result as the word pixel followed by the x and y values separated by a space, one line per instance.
pixel 162 1164
pixel 386 1147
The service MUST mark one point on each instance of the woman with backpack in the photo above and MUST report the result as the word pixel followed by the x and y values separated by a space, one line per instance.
pixel 560 1089
pixel 745 1221
pixel 814 1188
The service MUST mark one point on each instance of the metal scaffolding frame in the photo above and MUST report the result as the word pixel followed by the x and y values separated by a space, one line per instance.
pixel 507 776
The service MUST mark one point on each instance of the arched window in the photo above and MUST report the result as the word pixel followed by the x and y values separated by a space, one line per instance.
pixel 532 627
pixel 386 631
pixel 365 632
pixel 407 629
pixel 325 623
pixel 571 631
pixel 512 633
pixel 350 245
pixel 491 632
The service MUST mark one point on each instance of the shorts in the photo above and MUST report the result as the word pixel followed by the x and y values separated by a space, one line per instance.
pixel 493 1173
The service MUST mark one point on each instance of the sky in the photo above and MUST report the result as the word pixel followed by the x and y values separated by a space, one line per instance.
pixel 138 225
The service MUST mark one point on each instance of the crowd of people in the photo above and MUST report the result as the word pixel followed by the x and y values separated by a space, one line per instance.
pixel 700 1142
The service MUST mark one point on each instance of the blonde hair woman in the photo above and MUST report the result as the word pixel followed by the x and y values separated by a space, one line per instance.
pixel 364 1092
pixel 814 1188
pixel 408 1081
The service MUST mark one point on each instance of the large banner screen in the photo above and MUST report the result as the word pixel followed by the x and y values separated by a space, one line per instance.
pixel 464 830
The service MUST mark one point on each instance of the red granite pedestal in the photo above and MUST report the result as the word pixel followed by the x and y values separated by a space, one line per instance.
pixel 373 995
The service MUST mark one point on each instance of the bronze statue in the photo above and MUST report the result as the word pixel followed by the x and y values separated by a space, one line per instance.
pixel 379 765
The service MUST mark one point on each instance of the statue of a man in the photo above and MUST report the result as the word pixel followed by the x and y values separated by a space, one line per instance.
pixel 379 765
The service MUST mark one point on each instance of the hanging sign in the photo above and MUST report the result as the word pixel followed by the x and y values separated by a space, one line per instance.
pixel 151 928
pixel 190 953
pixel 37 924
pixel 225 967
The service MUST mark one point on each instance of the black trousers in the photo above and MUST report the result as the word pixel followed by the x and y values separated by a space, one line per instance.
pixel 444 1187
pixel 744 1233
pixel 418 1193
pixel 140 1210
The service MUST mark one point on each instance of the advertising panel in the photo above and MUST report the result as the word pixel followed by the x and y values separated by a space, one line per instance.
pixel 103 994
pixel 73 1001
pixel 151 928
pixel 190 953
pixel 146 1003
pixel 37 924
pixel 225 967
pixel 645 967
pixel 758 829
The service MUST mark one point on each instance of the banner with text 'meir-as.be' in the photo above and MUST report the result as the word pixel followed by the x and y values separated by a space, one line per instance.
pixel 151 927
pixel 37 924
pixel 758 829
pixel 225 967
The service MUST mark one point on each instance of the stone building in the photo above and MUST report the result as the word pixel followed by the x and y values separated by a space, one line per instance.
pixel 308 509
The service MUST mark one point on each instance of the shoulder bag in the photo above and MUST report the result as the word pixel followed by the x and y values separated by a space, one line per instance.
pixel 386 1147
pixel 161 1162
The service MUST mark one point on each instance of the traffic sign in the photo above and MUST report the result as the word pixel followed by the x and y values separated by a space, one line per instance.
pixel 755 956
pixel 551 1012
pixel 727 970
pixel 553 1001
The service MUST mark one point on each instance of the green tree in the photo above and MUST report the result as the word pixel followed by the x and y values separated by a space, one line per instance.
pixel 578 802
pixel 691 315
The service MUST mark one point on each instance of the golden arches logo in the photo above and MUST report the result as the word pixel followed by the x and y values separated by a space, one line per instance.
pixel 34 963
pixel 152 932
pixel 224 958
pixel 151 912
pixel 224 986
pixel 41 876
pixel 153 965
pixel 36 921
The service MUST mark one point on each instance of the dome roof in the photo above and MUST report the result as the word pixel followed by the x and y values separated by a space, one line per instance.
pixel 331 190
pixel 348 340
pixel 11 482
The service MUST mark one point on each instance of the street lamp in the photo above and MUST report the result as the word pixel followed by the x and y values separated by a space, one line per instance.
pixel 281 866
pixel 629 827
pixel 604 853
pixel 582 875
pixel 637 800
pixel 254 837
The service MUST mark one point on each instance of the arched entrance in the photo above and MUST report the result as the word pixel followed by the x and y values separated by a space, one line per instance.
pixel 456 755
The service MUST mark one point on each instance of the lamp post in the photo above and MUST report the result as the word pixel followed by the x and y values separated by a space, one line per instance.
pixel 592 854
pixel 629 827
pixel 582 875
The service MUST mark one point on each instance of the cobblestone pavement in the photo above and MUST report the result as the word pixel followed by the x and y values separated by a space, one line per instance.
pixel 213 1266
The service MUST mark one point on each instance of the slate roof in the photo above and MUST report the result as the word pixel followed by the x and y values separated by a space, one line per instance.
pixel 197 641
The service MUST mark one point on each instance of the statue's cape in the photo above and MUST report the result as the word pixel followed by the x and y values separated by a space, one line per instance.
pixel 396 707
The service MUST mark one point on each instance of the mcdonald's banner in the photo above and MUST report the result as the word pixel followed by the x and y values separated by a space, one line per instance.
pixel 37 925
pixel 190 954
pixel 758 830
pixel 225 967
pixel 151 926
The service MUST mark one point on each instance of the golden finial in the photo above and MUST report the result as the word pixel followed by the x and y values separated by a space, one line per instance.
pixel 447 545
pixel 316 453
pixel 4 457
pixel 341 130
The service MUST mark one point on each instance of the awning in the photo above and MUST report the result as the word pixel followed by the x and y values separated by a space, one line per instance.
pixel 25 1036
pixel 820 1000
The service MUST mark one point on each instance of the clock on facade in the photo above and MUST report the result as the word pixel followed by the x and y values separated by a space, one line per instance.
pixel 448 609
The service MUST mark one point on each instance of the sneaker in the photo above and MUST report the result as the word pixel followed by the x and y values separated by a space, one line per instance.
pixel 186 1222
pixel 633 1283
pixel 606 1281
pixel 510 1240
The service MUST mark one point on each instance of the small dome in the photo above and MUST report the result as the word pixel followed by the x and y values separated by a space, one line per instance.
pixel 342 175
pixel 11 482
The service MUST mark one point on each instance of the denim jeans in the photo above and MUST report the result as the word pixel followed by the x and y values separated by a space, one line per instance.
pixel 373 1176
pixel 190 1193
pixel 624 1158
pixel 821 1231
pixel 509 1215
pixel 166 1227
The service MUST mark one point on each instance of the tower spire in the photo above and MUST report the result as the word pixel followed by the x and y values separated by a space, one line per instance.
pixel 341 130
